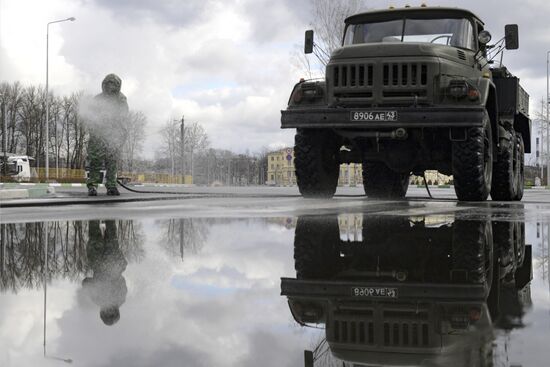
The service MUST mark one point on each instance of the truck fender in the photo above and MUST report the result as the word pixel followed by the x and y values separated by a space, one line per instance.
pixel 488 98
pixel 296 86
pixel 522 124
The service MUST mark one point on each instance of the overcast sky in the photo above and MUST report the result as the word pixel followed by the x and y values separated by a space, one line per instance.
pixel 225 64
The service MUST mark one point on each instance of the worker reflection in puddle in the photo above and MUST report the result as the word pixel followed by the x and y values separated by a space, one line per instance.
pixel 107 286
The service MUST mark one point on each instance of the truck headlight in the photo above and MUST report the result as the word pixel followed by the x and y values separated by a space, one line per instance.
pixel 309 92
pixel 459 89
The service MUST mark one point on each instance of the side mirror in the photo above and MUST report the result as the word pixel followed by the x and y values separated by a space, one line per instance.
pixel 511 36
pixel 308 44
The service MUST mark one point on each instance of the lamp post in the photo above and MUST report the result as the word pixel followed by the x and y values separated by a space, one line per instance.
pixel 182 132
pixel 45 238
pixel 4 137
pixel 72 19
pixel 182 161
pixel 547 124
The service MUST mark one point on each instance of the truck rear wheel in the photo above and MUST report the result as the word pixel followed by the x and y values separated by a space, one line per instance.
pixel 381 182
pixel 505 171
pixel 473 163
pixel 316 162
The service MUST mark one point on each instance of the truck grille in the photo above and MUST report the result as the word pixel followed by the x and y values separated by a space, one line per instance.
pixel 396 328
pixel 381 83
pixel 355 75
pixel 405 75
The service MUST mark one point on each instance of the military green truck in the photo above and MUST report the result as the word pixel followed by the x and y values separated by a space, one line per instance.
pixel 411 90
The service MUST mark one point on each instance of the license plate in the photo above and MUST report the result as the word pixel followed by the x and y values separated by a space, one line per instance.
pixel 373 116
pixel 374 292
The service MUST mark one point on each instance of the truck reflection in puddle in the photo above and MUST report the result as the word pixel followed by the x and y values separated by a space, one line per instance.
pixel 402 291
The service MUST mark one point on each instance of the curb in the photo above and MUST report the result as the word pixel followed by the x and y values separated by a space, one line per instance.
pixel 30 193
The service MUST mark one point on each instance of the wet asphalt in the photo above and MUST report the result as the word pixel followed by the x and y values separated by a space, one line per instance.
pixel 243 277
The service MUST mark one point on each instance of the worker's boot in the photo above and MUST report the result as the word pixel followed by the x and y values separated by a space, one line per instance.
pixel 92 191
pixel 112 191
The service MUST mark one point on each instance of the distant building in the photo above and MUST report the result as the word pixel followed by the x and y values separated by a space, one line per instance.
pixel 537 142
pixel 281 170
pixel 433 177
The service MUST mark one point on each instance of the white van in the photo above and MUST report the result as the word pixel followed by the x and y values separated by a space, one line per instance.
pixel 24 168
pixel 21 167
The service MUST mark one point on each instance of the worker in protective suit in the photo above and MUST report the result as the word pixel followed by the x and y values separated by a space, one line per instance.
pixel 107 287
pixel 105 120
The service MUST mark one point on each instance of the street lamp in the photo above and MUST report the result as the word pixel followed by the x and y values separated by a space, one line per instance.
pixel 547 124
pixel 182 121
pixel 45 281
pixel 4 137
pixel 72 19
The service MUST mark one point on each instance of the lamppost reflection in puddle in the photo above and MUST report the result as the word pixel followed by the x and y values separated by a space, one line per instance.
pixel 45 283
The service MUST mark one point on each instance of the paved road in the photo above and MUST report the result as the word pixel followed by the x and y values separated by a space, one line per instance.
pixel 250 202
pixel 199 277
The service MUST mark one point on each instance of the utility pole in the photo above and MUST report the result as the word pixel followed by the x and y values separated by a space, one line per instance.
pixel 229 172
pixel 181 238
pixel 4 137
pixel 547 250
pixel 182 149
pixel 542 144
pixel 547 123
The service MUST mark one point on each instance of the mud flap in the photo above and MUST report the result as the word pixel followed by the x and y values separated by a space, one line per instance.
pixel 524 274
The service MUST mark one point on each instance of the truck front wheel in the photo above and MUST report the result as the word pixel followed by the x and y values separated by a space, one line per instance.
pixel 380 182
pixel 316 163
pixel 473 163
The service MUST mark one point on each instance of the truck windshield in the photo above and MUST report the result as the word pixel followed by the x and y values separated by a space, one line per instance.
pixel 452 32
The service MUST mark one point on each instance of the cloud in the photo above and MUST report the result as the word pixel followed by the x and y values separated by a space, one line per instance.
pixel 173 12
pixel 226 65
pixel 219 306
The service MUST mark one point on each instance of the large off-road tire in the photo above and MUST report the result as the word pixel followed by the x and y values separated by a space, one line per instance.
pixel 380 182
pixel 316 162
pixel 520 148
pixel 472 252
pixel 316 247
pixel 505 171
pixel 506 236
pixel 473 163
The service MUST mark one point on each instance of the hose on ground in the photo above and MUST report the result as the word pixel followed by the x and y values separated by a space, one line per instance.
pixel 426 185
pixel 222 195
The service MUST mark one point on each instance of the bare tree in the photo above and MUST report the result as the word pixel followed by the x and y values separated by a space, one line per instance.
pixel 186 235
pixel 25 116
pixel 328 23
pixel 170 140
pixel 195 140
pixel 134 131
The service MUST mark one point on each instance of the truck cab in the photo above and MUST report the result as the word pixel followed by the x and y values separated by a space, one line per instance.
pixel 410 90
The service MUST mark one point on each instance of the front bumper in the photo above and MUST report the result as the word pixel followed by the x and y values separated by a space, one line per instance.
pixel 408 117
pixel 341 289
